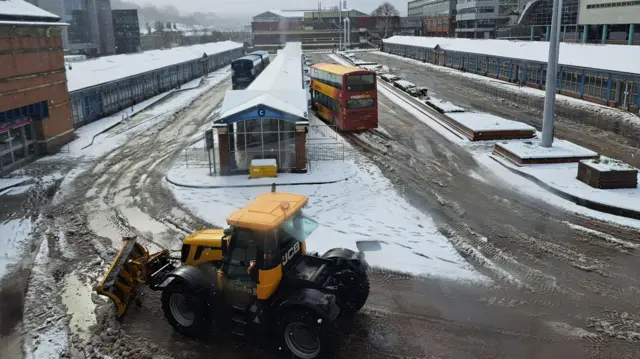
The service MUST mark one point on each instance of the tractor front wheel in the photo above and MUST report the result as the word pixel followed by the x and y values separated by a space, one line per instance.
pixel 305 335
pixel 353 292
pixel 187 311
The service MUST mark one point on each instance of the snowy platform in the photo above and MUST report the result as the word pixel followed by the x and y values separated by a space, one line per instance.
pixel 321 172
pixel 531 152
pixel 477 126
pixel 443 106
pixel 560 179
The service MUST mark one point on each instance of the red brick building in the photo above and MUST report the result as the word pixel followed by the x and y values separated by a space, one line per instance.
pixel 35 117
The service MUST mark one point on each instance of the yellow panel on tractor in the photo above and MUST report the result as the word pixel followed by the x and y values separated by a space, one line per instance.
pixel 268 211
pixel 206 246
pixel 263 168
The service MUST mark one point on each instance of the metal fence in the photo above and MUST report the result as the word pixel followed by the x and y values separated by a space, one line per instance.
pixel 322 132
pixel 199 157
pixel 326 152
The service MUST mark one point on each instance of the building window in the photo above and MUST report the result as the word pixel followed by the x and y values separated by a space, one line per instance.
pixel 613 4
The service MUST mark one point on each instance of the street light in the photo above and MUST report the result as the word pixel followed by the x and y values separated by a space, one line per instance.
pixel 552 76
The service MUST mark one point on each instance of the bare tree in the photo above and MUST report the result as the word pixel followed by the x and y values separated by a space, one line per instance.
pixel 387 17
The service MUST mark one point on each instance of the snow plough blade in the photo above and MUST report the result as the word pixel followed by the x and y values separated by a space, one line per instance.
pixel 133 265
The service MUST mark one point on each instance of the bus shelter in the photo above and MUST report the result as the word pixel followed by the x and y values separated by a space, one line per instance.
pixel 262 125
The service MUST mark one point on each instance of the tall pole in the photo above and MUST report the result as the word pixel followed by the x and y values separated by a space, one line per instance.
pixel 552 76
pixel 340 23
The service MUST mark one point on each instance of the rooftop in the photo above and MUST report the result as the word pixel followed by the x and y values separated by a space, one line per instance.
pixel 618 58
pixel 19 10
pixel 110 68
pixel 279 86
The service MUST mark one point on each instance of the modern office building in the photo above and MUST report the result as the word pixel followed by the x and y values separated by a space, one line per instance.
pixel 610 21
pixel 126 30
pixel 35 116
pixel 438 16
pixel 536 16
pixel 90 30
pixel 588 21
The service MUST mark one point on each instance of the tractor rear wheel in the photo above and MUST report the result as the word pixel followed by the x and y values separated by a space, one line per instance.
pixel 304 335
pixel 354 293
pixel 187 311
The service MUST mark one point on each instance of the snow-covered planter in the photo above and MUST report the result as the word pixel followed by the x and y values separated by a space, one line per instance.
pixel 607 173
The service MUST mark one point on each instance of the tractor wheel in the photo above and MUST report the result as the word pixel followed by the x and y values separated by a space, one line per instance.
pixel 304 335
pixel 188 312
pixel 354 294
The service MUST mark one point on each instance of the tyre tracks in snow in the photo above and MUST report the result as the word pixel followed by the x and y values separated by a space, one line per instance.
pixel 541 262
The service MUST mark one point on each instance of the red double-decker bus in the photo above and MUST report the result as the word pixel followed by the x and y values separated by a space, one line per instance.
pixel 345 96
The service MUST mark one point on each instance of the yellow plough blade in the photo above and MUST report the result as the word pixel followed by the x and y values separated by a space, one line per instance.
pixel 133 265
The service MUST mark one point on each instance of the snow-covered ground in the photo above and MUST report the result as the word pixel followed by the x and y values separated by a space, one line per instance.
pixel 366 207
pixel 13 234
pixel 12 182
pixel 522 185
pixel 318 172
pixel 562 176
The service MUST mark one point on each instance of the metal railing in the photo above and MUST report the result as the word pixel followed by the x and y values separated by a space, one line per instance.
pixel 326 152
pixel 322 132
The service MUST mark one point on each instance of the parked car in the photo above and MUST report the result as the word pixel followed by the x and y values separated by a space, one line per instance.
pixel 411 88
pixel 389 78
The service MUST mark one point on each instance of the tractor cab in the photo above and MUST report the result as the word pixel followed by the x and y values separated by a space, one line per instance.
pixel 265 240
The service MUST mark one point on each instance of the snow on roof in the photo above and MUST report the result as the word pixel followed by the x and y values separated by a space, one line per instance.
pixel 619 58
pixel 110 68
pixel 287 13
pixel 236 101
pixel 22 8
pixel 279 86
pixel 284 72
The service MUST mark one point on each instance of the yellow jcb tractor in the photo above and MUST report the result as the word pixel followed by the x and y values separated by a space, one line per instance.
pixel 255 275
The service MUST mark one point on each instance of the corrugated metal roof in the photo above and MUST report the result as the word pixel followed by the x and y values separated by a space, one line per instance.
pixel 110 68
pixel 618 58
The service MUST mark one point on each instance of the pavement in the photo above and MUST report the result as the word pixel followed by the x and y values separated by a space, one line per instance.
pixel 560 180
pixel 319 172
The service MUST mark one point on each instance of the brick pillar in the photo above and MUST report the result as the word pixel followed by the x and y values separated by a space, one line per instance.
pixel 301 148
pixel 223 148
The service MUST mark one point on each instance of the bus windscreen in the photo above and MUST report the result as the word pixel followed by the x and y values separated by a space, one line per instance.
pixel 360 82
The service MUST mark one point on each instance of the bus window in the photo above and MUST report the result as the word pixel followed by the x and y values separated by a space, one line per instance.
pixel 360 103
pixel 360 82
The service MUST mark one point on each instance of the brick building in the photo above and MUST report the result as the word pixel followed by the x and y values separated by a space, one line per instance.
pixel 35 117
pixel 317 29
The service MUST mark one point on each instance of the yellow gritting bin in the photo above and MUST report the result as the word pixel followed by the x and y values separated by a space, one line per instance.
pixel 263 168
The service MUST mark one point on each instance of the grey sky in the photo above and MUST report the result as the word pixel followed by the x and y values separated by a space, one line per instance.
pixel 252 7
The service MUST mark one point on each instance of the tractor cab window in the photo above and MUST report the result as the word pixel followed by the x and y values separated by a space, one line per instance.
pixel 299 226
pixel 242 250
